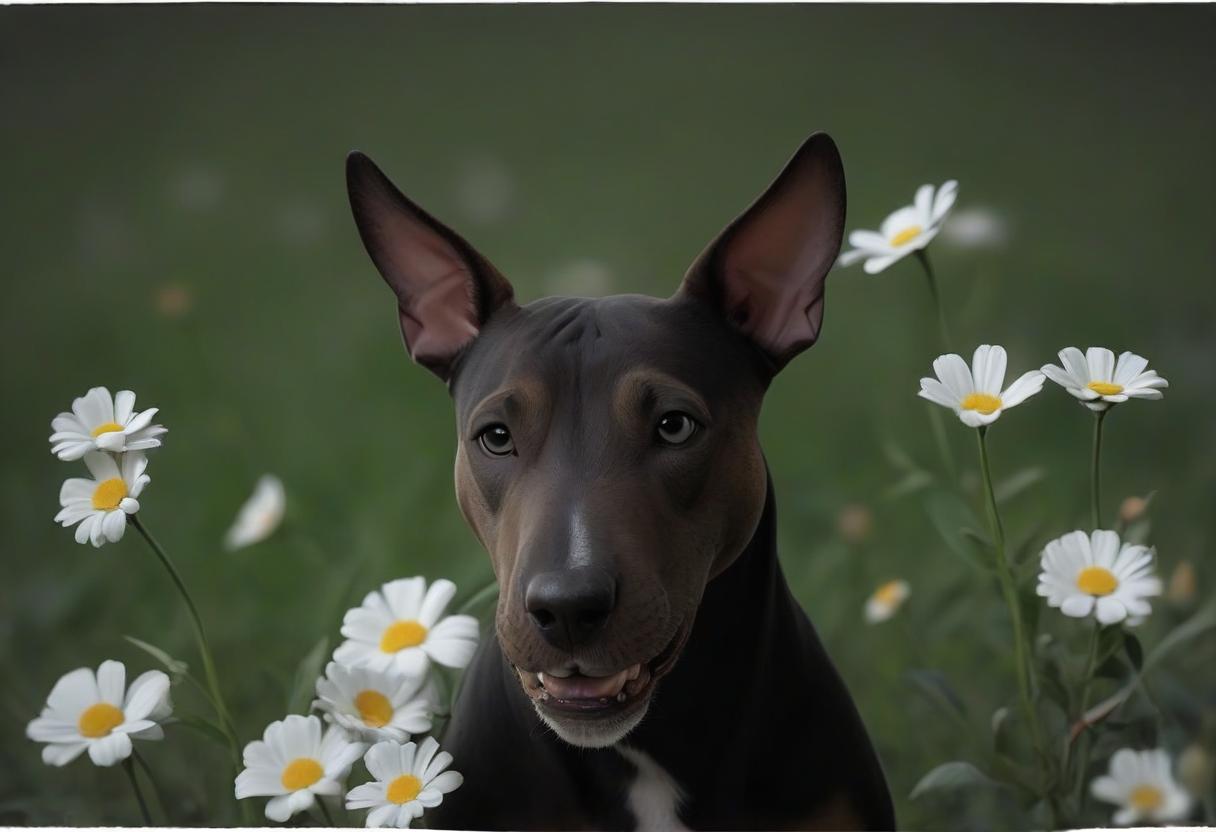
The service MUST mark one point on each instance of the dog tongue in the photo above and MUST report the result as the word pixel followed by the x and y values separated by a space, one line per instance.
pixel 585 687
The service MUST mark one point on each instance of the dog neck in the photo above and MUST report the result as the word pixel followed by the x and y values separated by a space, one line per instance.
pixel 746 633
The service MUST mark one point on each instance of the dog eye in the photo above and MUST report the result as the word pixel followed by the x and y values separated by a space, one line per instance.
pixel 497 441
pixel 676 428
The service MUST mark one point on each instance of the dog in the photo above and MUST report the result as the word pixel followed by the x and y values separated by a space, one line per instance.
pixel 651 669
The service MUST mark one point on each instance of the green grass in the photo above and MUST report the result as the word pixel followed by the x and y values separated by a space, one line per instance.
pixel 202 147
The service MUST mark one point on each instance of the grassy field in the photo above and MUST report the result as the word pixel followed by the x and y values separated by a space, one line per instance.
pixel 175 222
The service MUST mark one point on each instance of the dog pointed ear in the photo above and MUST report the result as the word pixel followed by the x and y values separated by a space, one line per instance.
pixel 766 270
pixel 446 291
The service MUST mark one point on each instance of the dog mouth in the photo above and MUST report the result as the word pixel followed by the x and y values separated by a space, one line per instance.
pixel 574 693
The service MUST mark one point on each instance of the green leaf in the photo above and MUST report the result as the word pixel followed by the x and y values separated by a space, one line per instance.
pixel 1110 642
pixel 1051 684
pixel 1000 742
pixel 481 601
pixel 933 684
pixel 1108 665
pixel 1196 625
pixel 956 774
pixel 978 538
pixel 910 483
pixel 304 683
pixel 899 458
pixel 446 682
pixel 1024 553
pixel 1018 482
pixel 175 667
pixel 955 522
pixel 203 726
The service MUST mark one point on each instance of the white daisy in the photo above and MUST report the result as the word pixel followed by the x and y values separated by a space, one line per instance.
pixel 1141 784
pixel 259 516
pixel 974 392
pixel 909 229
pixel 372 705
pixel 401 628
pixel 101 505
pixel 886 601
pixel 99 422
pixel 409 780
pixel 100 714
pixel 1099 381
pixel 293 763
pixel 1085 574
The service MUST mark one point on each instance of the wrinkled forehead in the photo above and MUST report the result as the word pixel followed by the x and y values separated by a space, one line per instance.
pixel 597 350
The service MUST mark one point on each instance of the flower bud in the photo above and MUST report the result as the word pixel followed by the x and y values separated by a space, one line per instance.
pixel 1182 585
pixel 1197 770
pixel 854 523
pixel 1132 509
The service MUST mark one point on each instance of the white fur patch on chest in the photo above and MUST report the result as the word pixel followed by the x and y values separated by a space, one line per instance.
pixel 654 796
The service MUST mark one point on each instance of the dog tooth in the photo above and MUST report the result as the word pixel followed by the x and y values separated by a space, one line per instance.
pixel 620 697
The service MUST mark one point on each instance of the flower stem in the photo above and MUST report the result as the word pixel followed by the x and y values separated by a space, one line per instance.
pixel 156 789
pixel 943 330
pixel 1025 670
pixel 1095 478
pixel 1082 756
pixel 129 768
pixel 329 821
pixel 200 637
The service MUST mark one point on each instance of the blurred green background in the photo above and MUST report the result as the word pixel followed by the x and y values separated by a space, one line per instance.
pixel 174 221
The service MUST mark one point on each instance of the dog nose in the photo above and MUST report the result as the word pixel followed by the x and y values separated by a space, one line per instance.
pixel 570 606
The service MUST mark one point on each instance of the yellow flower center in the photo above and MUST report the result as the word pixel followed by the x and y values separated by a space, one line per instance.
pixel 403 789
pixel 108 427
pixel 109 494
pixel 889 593
pixel 1096 580
pixel 1146 798
pixel 301 773
pixel 374 708
pixel 982 403
pixel 909 233
pixel 99 720
pixel 402 634
pixel 1105 388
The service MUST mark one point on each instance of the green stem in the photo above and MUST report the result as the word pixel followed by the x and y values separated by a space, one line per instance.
pixel 129 768
pixel 1095 478
pixel 200 637
pixel 156 789
pixel 329 821
pixel 943 334
pixel 1083 740
pixel 943 330
pixel 990 507
pixel 1025 670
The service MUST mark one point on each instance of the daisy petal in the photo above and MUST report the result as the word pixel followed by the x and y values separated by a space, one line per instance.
pixel 1026 385
pixel 110 750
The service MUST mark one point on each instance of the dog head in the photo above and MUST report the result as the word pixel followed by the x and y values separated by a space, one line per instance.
pixel 607 453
